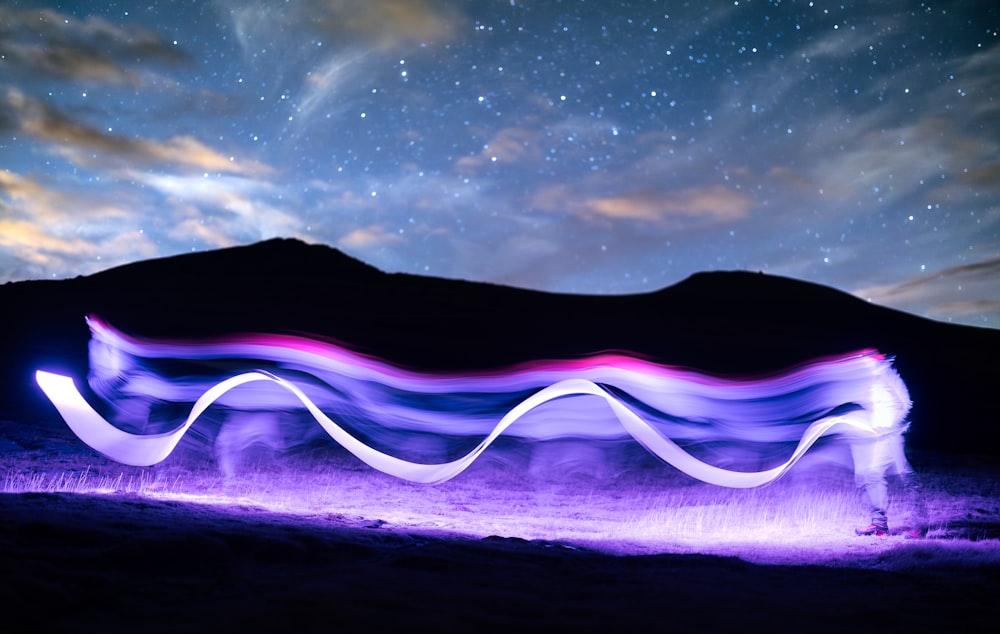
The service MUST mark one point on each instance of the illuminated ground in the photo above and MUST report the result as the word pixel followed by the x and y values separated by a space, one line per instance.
pixel 182 533
pixel 631 504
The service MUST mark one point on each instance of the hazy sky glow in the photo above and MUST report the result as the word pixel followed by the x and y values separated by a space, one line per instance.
pixel 590 147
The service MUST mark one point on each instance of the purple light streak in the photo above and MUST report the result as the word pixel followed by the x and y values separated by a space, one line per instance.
pixel 597 398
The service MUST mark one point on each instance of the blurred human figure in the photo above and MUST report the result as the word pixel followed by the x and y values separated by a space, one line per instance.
pixel 880 456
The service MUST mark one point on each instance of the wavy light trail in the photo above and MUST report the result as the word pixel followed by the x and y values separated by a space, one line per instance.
pixel 857 394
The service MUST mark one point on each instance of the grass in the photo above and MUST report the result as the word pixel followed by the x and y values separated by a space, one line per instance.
pixel 632 505
pixel 85 481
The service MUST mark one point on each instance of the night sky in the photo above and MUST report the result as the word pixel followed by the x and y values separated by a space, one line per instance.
pixel 585 147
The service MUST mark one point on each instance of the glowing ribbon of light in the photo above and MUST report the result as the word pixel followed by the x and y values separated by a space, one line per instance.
pixel 146 450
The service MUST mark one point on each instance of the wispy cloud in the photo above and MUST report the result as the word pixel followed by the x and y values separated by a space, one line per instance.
pixel 44 231
pixel 369 238
pixel 333 77
pixel 711 204
pixel 697 206
pixel 15 186
pixel 223 210
pixel 86 145
pixel 520 146
pixel 45 203
pixel 34 244
pixel 943 292
pixel 383 24
pixel 320 51
pixel 48 43
pixel 968 308
pixel 985 177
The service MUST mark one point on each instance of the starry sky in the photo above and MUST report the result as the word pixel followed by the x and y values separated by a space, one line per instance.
pixel 576 146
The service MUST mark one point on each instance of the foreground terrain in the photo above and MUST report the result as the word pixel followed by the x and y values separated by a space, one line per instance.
pixel 314 539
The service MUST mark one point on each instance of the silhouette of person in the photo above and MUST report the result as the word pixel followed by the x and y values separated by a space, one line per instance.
pixel 881 456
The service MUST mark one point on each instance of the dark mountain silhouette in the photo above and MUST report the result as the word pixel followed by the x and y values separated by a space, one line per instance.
pixel 720 322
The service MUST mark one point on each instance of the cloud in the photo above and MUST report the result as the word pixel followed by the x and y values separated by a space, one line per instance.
pixel 44 203
pixel 223 210
pixel 327 80
pixel 520 146
pixel 68 63
pixel 979 74
pixel 71 226
pixel 319 52
pixel 47 43
pixel 16 186
pixel 383 24
pixel 710 204
pixel 245 223
pixel 79 142
pixel 989 269
pixel 45 232
pixel 41 251
pixel 378 25
pixel 943 292
pixel 842 43
pixel 368 238
pixel 969 308
pixel 985 177
pixel 34 244
pixel 199 188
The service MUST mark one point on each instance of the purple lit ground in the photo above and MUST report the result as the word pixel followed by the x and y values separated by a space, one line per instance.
pixel 509 541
